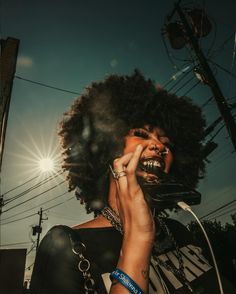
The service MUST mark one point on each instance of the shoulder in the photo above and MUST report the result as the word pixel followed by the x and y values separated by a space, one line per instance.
pixel 59 237
pixel 98 222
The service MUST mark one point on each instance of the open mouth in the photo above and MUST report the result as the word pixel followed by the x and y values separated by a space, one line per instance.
pixel 152 165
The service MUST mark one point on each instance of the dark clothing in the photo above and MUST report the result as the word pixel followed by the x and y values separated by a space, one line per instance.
pixel 56 266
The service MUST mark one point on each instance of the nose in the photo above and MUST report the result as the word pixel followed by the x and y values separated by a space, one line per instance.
pixel 158 147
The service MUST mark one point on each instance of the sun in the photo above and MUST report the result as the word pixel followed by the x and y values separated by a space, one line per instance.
pixel 46 164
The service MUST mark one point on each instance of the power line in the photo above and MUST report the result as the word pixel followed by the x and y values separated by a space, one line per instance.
pixel 180 79
pixel 32 188
pixel 34 196
pixel 223 157
pixel 226 212
pixel 217 132
pixel 26 182
pixel 187 82
pixel 28 267
pixel 13 244
pixel 207 102
pixel 59 203
pixel 221 47
pixel 222 68
pixel 177 74
pixel 22 218
pixel 31 249
pixel 31 208
pixel 46 85
pixel 194 86
pixel 219 208
pixel 16 220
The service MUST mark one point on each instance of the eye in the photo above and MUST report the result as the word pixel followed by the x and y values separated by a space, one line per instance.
pixel 140 133
pixel 166 141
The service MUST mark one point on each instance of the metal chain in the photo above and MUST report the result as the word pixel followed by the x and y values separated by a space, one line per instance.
pixel 179 272
pixel 114 219
pixel 78 248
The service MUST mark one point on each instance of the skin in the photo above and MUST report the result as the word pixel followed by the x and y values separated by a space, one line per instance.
pixel 127 199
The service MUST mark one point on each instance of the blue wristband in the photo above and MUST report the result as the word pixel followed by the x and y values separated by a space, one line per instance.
pixel 126 281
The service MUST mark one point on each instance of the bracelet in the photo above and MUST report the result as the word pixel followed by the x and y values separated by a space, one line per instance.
pixel 126 281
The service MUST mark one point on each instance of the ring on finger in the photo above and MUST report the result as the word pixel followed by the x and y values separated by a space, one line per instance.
pixel 117 174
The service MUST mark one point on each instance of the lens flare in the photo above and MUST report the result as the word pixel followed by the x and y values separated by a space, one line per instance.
pixel 46 164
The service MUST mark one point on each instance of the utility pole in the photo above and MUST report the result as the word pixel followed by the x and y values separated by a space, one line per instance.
pixel 9 51
pixel 208 77
pixel 38 229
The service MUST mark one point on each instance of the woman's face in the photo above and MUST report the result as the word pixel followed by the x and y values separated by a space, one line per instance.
pixel 156 155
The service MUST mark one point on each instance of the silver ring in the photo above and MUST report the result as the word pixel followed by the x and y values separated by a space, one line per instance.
pixel 117 174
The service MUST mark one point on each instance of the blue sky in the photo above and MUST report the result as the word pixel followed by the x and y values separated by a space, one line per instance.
pixel 68 44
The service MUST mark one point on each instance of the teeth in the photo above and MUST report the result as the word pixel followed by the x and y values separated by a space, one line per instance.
pixel 151 163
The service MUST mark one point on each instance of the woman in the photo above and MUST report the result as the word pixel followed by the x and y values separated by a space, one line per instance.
pixel 123 132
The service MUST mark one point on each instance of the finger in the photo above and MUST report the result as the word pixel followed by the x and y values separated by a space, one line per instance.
pixel 119 166
pixel 132 166
pixel 120 163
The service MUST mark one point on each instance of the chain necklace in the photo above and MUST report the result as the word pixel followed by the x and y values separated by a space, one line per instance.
pixel 179 272
pixel 114 219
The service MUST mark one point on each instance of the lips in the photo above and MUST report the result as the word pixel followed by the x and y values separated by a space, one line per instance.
pixel 152 165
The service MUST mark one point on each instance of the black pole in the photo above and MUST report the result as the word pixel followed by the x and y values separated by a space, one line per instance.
pixel 39 228
pixel 211 81
pixel 8 57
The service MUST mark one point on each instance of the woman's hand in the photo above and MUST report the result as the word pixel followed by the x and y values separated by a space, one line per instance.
pixel 133 209
pixel 137 221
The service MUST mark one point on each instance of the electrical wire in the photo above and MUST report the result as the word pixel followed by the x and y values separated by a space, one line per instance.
pixel 217 209
pixel 217 132
pixel 23 202
pixel 180 79
pixel 32 188
pixel 31 208
pixel 222 68
pixel 59 203
pixel 220 215
pixel 207 102
pixel 223 157
pixel 222 45
pixel 37 212
pixel 31 249
pixel 185 84
pixel 46 85
pixel 19 219
pixel 29 267
pixel 26 182
pixel 13 244
pixel 175 76
pixel 194 86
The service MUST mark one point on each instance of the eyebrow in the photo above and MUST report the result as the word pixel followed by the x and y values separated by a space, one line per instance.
pixel 150 129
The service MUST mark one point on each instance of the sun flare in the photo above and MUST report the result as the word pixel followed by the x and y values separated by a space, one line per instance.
pixel 46 164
